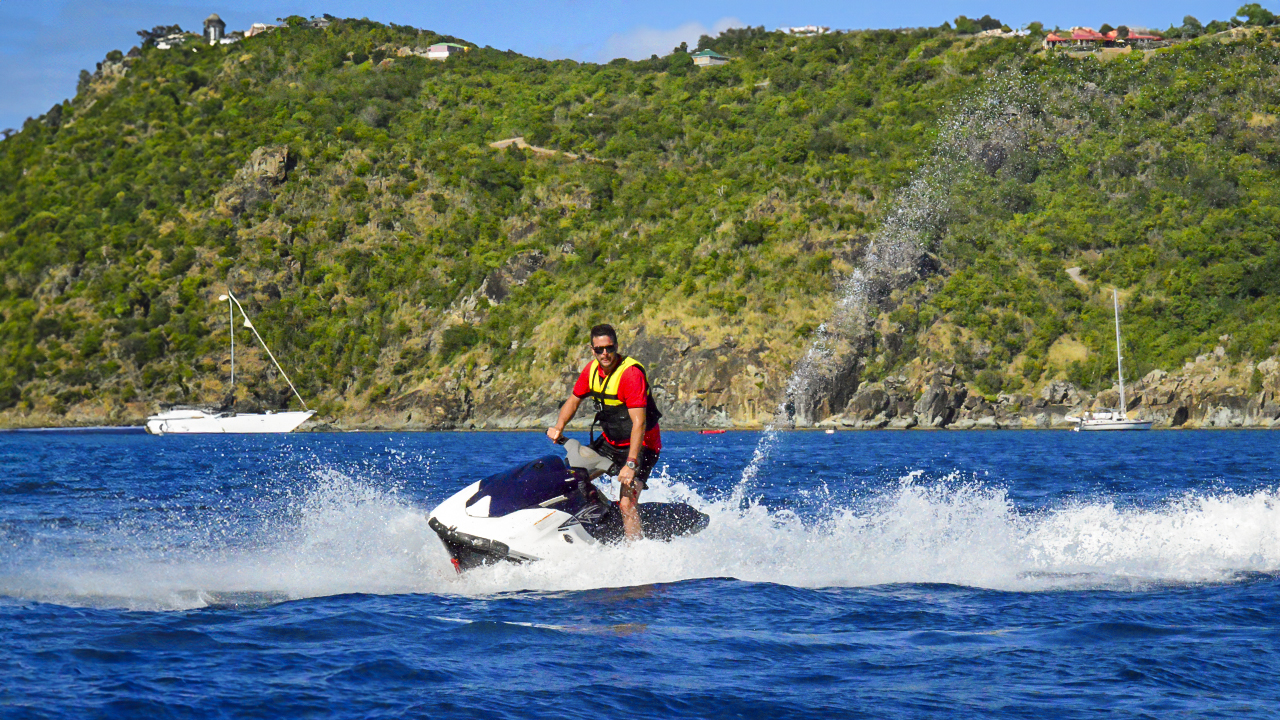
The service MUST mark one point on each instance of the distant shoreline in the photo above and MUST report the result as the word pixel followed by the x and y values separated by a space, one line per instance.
pixel 141 430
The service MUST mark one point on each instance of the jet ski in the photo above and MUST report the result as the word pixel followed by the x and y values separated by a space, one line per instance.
pixel 546 508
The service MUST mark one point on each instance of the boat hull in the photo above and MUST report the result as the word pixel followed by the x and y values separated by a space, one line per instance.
pixel 199 422
pixel 1114 425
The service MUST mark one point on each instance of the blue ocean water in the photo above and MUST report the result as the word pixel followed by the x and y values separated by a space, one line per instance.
pixel 881 574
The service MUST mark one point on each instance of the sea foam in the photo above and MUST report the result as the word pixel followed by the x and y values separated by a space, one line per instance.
pixel 347 535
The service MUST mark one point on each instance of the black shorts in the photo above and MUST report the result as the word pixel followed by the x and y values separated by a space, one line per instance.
pixel 648 458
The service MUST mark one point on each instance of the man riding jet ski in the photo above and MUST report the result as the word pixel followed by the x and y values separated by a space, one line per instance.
pixel 546 508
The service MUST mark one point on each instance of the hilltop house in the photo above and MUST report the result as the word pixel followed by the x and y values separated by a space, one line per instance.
pixel 1053 40
pixel 807 30
pixel 258 29
pixel 1135 37
pixel 172 40
pixel 442 51
pixel 214 29
pixel 1087 37
pixel 1084 37
pixel 1000 32
pixel 705 58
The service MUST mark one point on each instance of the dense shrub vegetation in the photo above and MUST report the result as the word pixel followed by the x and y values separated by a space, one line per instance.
pixel 400 248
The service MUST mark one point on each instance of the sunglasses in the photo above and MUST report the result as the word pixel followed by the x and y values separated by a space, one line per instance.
pixel 602 349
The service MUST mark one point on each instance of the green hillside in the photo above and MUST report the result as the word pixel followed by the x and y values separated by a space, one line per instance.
pixel 345 189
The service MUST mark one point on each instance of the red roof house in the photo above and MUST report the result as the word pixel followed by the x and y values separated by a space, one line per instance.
pixel 1144 38
pixel 1087 36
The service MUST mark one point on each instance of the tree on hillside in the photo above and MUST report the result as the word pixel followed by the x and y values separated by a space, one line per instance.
pixel 1106 28
pixel 736 40
pixel 986 22
pixel 1256 14
pixel 965 26
pixel 1191 27
pixel 149 37
pixel 679 63
pixel 1122 32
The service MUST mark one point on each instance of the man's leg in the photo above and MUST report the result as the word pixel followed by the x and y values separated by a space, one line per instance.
pixel 629 499
pixel 629 493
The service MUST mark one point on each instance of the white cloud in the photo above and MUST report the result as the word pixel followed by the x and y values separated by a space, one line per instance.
pixel 641 42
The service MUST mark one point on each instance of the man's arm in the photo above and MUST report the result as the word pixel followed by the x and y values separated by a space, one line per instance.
pixel 626 474
pixel 567 411
pixel 639 416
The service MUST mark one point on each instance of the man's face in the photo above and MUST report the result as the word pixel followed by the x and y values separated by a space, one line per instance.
pixel 606 351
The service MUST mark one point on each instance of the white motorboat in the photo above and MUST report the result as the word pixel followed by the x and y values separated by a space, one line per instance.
pixel 1117 419
pixel 201 420
pixel 1108 420
pixel 184 419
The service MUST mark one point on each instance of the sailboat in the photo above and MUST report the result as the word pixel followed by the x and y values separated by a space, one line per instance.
pixel 1117 419
pixel 182 419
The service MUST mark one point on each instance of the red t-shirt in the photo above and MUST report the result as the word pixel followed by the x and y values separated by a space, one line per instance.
pixel 633 391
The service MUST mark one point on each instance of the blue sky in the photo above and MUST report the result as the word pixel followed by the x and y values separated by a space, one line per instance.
pixel 45 43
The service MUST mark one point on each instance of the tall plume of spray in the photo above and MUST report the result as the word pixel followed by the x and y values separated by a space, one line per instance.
pixel 980 136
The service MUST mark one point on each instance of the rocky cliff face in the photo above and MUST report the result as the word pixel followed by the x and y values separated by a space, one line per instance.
pixel 701 383
pixel 696 384
pixel 726 385
pixel 1208 393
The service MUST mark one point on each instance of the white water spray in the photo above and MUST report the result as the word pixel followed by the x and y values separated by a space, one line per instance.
pixel 978 132
pixel 349 536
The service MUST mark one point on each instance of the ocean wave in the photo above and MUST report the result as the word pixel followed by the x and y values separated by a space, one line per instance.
pixel 349 535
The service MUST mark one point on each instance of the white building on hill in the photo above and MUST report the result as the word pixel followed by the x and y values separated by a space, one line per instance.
pixel 704 58
pixel 214 29
pixel 807 30
pixel 442 51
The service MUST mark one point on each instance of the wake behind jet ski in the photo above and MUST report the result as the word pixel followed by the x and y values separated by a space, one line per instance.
pixel 546 508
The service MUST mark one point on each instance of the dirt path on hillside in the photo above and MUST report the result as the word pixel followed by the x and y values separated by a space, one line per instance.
pixel 520 143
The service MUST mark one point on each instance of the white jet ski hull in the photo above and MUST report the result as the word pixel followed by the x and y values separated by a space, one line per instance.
pixel 545 509
pixel 524 535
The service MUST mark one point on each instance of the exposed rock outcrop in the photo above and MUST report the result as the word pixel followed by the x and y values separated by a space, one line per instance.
pixel 514 273
pixel 266 168
pixel 941 398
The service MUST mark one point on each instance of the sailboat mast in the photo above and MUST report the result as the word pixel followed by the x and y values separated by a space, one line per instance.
pixel 1115 294
pixel 231 330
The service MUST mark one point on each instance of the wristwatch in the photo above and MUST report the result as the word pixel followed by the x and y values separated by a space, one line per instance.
pixel 632 464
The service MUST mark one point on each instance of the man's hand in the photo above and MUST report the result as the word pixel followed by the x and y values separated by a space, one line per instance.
pixel 625 476
pixel 554 433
